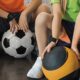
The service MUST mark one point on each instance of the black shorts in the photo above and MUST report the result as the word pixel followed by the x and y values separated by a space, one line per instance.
pixel 4 24
pixel 69 28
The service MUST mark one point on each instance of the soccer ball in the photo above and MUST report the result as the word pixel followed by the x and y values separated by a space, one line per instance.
pixel 18 44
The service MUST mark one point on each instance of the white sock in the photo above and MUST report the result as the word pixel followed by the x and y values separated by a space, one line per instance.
pixel 36 70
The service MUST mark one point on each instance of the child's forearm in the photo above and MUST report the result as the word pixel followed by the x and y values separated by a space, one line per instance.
pixel 56 23
pixel 3 14
pixel 56 26
pixel 76 35
pixel 32 6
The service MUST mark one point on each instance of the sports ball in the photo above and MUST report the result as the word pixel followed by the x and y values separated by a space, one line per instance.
pixel 18 44
pixel 61 63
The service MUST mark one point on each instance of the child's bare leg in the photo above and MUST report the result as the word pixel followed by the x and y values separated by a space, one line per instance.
pixel 42 25
pixel 42 28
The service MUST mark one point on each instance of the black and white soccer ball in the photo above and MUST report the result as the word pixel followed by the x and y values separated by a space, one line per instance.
pixel 18 44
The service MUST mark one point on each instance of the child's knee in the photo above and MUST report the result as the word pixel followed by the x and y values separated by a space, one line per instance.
pixel 43 8
pixel 42 21
pixel 42 18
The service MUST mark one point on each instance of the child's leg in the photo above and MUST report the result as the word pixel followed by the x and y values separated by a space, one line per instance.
pixel 32 16
pixel 42 28
pixel 42 24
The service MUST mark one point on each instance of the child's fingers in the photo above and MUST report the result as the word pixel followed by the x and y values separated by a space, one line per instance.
pixel 45 50
pixel 16 28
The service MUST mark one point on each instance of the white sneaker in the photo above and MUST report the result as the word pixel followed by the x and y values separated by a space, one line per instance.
pixel 36 70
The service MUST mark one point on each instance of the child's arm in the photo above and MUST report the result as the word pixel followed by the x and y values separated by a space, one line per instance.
pixel 3 14
pixel 56 26
pixel 76 36
pixel 32 6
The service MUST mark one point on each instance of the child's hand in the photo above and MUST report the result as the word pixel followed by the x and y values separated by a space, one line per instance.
pixel 23 23
pixel 76 51
pixel 48 48
pixel 13 26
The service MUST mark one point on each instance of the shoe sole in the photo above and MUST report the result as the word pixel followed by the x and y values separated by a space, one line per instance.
pixel 43 78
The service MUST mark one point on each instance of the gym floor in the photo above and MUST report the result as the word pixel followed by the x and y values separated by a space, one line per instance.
pixel 14 69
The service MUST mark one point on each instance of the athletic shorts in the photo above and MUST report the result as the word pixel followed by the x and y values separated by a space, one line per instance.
pixel 69 28
pixel 4 24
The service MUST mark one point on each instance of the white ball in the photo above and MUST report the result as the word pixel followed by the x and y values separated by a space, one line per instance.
pixel 18 44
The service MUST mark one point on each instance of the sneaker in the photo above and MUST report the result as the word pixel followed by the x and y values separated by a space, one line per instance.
pixel 36 71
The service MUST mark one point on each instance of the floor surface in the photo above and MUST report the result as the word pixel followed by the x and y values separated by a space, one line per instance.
pixel 14 69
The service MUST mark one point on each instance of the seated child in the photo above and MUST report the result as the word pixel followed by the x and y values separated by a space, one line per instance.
pixel 64 14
